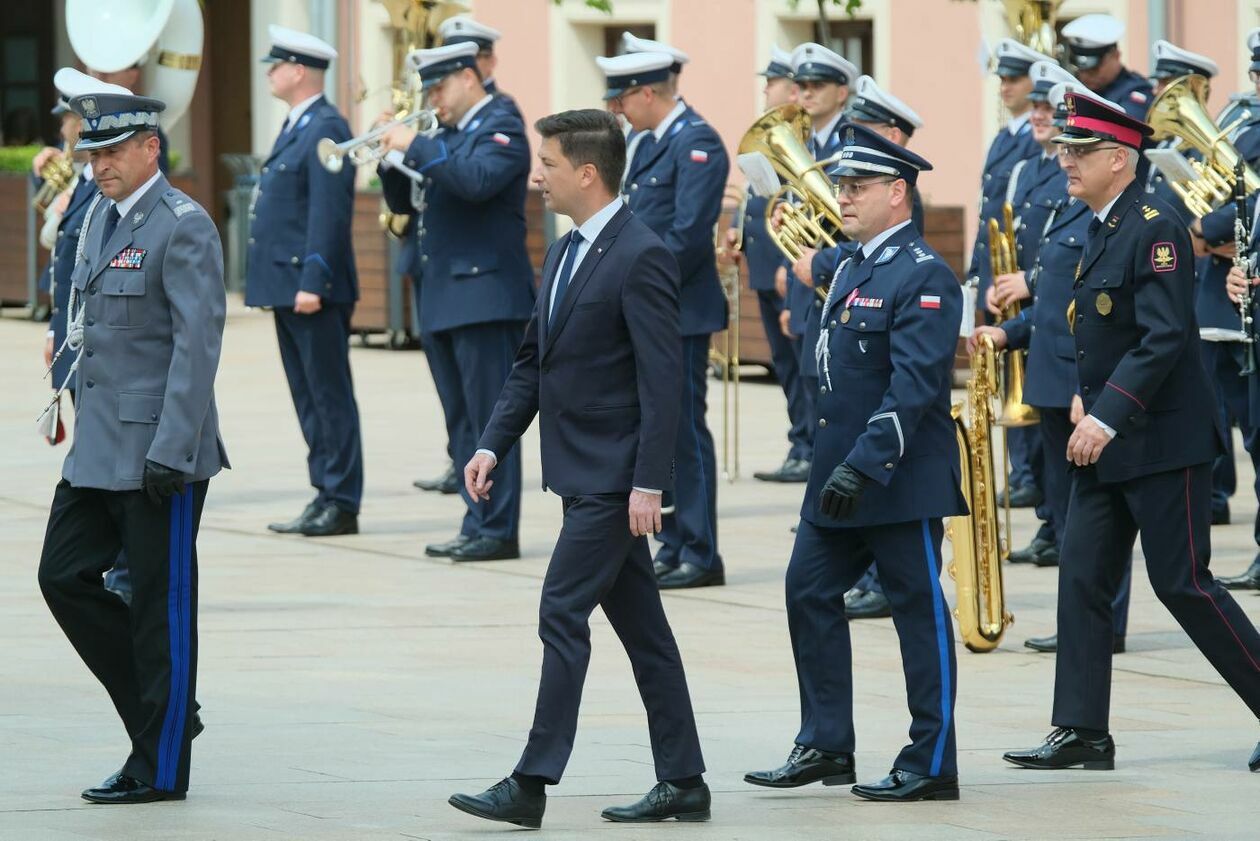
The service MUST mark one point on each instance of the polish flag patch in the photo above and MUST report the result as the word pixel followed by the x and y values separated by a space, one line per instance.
pixel 502 139
pixel 699 156
pixel 929 302
pixel 1138 97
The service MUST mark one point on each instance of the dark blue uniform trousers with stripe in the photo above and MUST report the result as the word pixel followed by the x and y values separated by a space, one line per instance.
pixel 470 365
pixel 786 358
pixel 1171 511
pixel 146 655
pixel 690 534
pixel 315 351
pixel 825 563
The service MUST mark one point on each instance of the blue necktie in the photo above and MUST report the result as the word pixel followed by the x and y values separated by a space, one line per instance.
pixel 641 149
pixel 111 222
pixel 566 270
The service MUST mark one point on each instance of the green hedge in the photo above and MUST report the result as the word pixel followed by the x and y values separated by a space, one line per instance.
pixel 17 159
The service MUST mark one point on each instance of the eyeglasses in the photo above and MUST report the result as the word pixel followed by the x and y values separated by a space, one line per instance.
pixel 623 97
pixel 853 190
pixel 1076 152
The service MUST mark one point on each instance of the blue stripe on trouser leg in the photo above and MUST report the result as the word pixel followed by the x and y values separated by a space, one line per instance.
pixel 942 645
pixel 178 598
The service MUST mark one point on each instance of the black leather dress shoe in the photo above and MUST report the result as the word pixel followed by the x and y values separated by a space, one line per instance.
pixel 663 802
pixel 660 568
pixel 905 787
pixel 295 526
pixel 444 550
pixel 1064 748
pixel 1220 516
pixel 504 801
pixel 447 483
pixel 1047 558
pixel 1249 580
pixel 1025 496
pixel 807 765
pixel 1050 644
pixel 688 575
pixel 793 470
pixel 331 521
pixel 486 549
pixel 121 789
pixel 1030 552
pixel 867 604
pixel 1254 762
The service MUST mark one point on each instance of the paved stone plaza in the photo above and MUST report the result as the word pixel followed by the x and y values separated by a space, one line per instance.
pixel 350 685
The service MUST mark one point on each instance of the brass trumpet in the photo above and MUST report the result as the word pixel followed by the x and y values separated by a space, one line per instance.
pixel 367 148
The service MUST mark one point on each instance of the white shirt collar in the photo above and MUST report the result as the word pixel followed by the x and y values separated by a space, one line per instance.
pixel 593 227
pixel 821 135
pixel 87 171
pixel 472 112
pixel 296 112
pixel 674 114
pixel 1016 125
pixel 124 207
pixel 1102 214
pixel 868 248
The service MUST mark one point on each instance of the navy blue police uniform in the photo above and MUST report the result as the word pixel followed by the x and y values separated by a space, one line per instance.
pixel 890 327
pixel 674 185
pixel 1131 91
pixel 477 290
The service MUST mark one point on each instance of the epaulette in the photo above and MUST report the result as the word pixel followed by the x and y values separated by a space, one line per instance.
pixel 179 203
pixel 920 256
pixel 1148 212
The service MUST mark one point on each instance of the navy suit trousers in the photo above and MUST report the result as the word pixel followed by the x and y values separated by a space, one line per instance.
pixel 690 534
pixel 825 563
pixel 597 562
pixel 1171 512
pixel 470 365
pixel 787 370
pixel 315 351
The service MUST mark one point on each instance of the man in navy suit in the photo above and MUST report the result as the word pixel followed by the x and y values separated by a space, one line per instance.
pixel 601 368
pixel 674 183
pixel 885 473
pixel 301 264
pixel 478 287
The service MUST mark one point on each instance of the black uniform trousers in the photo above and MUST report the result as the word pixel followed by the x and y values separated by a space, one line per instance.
pixel 470 365
pixel 690 534
pixel 597 562
pixel 315 352
pixel 825 563
pixel 1223 361
pixel 787 370
pixel 146 655
pixel 1056 428
pixel 1171 511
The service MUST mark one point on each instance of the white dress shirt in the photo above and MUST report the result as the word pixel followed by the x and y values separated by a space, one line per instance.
pixel 821 135
pixel 472 112
pixel 124 207
pixel 1016 125
pixel 296 112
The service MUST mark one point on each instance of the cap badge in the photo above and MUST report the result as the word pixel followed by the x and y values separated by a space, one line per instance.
pixel 89 108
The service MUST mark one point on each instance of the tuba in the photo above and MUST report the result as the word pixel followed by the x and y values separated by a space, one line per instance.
pixel 781 135
pixel 57 173
pixel 164 37
pixel 1033 22
pixel 978 545
pixel 1002 261
pixel 1180 112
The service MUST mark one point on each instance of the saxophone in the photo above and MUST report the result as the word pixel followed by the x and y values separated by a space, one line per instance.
pixel 978 545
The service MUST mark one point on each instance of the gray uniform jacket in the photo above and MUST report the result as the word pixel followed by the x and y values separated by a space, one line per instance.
pixel 154 307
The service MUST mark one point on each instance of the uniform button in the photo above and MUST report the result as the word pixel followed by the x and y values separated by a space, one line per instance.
pixel 653 179
pixel 91 322
pixel 188 457
pixel 634 186
pixel 822 390
pixel 888 465
pixel 987 176
pixel 265 170
pixel 833 324
pixel 818 304
pixel 90 352
pixel 294 260
pixel 821 421
pixel 1132 419
pixel 1080 354
pixel 1084 389
pixel 60 234
pixel 861 325
pixel 282 167
pixel 92 289
pixel 424 258
pixel 251 240
pixel 1036 298
pixel 91 383
pixel 475 270
pixel 153 417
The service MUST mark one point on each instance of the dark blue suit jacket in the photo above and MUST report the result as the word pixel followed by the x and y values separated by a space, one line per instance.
pixel 1132 92
pixel 62 266
pixel 604 376
pixel 1040 185
pixel 1042 326
pixel 471 234
pixel 887 410
pixel 1006 150
pixel 764 257
pixel 492 88
pixel 299 235
pixel 676 189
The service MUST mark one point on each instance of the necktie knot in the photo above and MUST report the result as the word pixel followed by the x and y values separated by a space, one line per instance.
pixel 1094 225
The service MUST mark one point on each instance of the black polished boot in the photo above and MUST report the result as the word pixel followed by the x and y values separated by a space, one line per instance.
pixel 807 765
pixel 663 802
pixel 1065 748
pixel 906 787
pixel 504 801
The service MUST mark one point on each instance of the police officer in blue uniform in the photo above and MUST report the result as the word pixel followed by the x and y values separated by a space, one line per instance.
pixel 767 276
pixel 1092 49
pixel 1013 144
pixel 885 473
pixel 463 29
pixel 301 265
pixel 674 184
pixel 1051 247
pixel 1143 450
pixel 478 286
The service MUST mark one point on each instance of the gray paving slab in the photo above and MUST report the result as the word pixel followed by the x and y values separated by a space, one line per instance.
pixel 351 685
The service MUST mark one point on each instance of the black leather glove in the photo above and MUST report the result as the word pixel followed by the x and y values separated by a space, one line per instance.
pixel 160 481
pixel 840 494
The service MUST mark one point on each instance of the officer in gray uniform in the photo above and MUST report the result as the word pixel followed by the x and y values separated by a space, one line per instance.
pixel 145 322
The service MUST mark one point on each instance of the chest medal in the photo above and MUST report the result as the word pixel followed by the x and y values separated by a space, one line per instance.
pixel 1103 303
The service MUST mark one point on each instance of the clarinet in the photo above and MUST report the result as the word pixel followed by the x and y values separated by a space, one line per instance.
pixel 1243 260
